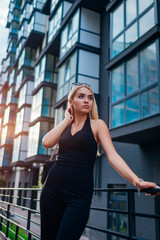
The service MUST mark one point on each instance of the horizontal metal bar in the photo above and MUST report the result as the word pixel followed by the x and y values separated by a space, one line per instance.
pixel 146 215
pixel 26 189
pixel 16 214
pixel 19 206
pixel 35 222
pixel 109 210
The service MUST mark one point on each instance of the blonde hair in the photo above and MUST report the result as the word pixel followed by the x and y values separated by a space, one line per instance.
pixel 94 112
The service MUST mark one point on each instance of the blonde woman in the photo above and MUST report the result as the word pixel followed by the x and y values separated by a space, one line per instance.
pixel 67 193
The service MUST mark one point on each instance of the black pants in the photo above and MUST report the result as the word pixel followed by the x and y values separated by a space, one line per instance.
pixel 63 220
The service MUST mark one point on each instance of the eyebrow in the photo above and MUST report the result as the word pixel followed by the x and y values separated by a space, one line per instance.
pixel 90 95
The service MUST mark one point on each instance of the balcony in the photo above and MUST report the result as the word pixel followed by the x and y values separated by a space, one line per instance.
pixel 112 222
pixel 19 149
pixel 36 29
pixel 9 115
pixel 24 73
pixel 25 15
pixel 10 96
pixel 22 121
pixel 23 30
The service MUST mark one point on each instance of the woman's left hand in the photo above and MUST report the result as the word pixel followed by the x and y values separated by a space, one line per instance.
pixel 144 185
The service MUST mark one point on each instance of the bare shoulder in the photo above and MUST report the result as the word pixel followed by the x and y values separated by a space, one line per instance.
pixel 98 123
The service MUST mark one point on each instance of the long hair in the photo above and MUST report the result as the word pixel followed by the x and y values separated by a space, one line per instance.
pixel 94 112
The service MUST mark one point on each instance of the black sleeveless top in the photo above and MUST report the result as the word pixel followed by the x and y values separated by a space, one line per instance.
pixel 73 172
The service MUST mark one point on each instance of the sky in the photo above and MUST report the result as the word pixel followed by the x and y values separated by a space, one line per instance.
pixel 3 30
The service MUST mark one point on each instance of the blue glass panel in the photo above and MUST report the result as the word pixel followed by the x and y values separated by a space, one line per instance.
pixel 131 10
pixel 131 35
pixel 118 20
pixel 148 62
pixel 118 46
pixel 118 115
pixel 150 102
pixel 144 4
pixel 147 22
pixel 132 75
pixel 118 83
pixel 45 111
pixel 132 109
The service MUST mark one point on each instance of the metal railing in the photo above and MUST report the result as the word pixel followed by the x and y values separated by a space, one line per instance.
pixel 20 213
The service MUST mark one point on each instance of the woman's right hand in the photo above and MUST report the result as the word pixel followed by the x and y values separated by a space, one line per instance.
pixel 69 115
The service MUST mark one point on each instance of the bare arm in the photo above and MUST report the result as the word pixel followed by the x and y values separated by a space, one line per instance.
pixel 115 160
pixel 53 136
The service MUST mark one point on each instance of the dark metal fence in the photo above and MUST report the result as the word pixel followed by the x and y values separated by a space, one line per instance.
pixel 20 214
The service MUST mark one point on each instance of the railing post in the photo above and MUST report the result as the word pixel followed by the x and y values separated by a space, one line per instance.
pixel 131 216
pixel 157 212
pixel 8 215
pixel 19 197
pixel 29 214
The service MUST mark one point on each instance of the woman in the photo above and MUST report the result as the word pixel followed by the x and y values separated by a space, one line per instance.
pixel 67 193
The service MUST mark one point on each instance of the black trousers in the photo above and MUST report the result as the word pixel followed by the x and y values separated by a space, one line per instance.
pixel 63 219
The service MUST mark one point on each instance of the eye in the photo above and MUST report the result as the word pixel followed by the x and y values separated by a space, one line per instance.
pixel 80 96
pixel 90 97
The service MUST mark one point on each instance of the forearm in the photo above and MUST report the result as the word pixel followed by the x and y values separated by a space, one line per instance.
pixel 52 137
pixel 123 169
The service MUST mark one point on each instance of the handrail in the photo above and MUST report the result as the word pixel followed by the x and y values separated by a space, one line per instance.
pixel 19 205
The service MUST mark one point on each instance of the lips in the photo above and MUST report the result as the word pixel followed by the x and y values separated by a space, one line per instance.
pixel 85 106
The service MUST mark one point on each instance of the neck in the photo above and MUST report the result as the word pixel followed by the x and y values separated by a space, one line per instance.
pixel 79 118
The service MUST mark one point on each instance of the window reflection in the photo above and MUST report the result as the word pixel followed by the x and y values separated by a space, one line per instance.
pixel 146 22
pixel 118 83
pixel 118 20
pixel 67 74
pixel 69 35
pixel 126 19
pixel 140 77
pixel 118 45
pixel 132 75
pixel 55 23
pixel 118 115
pixel 149 102
pixel 148 65
pixel 131 35
pixel 131 10
pixel 33 140
pixel 132 109
pixel 144 4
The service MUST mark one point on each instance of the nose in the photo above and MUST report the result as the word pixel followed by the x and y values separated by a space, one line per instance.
pixel 86 99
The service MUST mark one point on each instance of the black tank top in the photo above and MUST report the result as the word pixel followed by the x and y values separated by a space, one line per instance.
pixel 76 158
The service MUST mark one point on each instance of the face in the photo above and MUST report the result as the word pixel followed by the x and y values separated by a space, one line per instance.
pixel 83 100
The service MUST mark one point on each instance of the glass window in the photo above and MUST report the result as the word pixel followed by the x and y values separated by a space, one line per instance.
pixel 131 35
pixel 131 10
pixel 150 102
pixel 118 83
pixel 144 4
pixel 36 105
pixel 127 20
pixel 70 34
pixel 19 121
pixel 16 149
pixel 118 45
pixel 132 109
pixel 118 20
pixel 132 74
pixel 148 65
pixel 22 95
pixel 45 127
pixel 118 115
pixel 146 22
pixel 33 140
pixel 137 75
